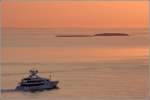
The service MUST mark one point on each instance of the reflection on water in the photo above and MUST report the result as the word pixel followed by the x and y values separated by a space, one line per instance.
pixel 87 68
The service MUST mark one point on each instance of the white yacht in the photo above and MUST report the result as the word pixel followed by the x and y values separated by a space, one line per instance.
pixel 35 83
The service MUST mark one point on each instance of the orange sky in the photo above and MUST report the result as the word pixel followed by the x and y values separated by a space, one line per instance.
pixel 95 14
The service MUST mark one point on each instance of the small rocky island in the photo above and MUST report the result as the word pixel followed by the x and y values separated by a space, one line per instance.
pixel 95 35
pixel 112 34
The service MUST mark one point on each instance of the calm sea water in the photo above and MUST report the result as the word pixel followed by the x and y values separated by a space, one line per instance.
pixel 88 68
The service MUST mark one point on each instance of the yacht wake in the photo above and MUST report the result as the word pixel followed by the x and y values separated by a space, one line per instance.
pixel 8 90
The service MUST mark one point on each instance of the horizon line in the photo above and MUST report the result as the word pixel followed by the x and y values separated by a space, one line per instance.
pixel 74 27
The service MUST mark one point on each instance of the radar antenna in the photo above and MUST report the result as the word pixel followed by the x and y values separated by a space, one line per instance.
pixel 33 72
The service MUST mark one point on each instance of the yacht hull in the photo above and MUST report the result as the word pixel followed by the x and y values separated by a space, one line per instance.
pixel 48 86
